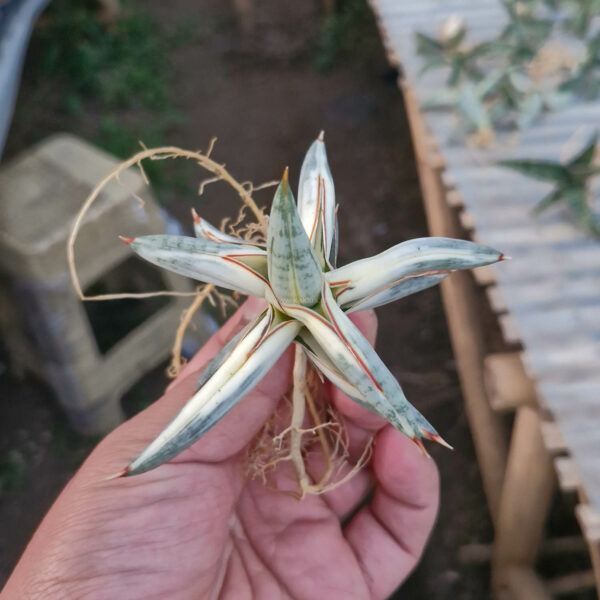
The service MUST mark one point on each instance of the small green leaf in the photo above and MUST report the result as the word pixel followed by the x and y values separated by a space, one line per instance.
pixel 585 157
pixel 538 169
pixel 576 200
pixel 427 45
pixel 529 110
pixel 552 198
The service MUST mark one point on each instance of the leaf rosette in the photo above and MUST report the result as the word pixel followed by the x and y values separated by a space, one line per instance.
pixel 308 299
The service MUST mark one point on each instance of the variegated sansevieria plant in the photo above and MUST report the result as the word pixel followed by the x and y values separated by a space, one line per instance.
pixel 308 298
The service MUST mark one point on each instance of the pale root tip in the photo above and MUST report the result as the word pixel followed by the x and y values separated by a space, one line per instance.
pixel 126 239
pixel 321 137
pixel 196 217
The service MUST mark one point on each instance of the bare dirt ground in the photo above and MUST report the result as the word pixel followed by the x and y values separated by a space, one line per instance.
pixel 264 100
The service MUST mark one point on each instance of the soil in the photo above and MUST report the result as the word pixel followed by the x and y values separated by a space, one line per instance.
pixel 262 97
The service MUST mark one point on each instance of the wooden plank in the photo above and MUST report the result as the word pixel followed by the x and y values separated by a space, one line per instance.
pixel 454 199
pixel 567 473
pixel 510 329
pixel 480 554
pixel 573 582
pixel 526 495
pixel 554 440
pixel 589 521
pixel 524 584
pixel 496 299
pixel 550 290
pixel 484 276
pixel 460 304
pixel 506 382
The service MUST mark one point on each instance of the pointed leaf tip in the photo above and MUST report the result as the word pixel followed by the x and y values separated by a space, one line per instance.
pixel 294 272
pixel 284 180
pixel 321 137
pixel 504 257
pixel 122 473
pixel 196 217
pixel 417 440
pixel 127 240
pixel 437 438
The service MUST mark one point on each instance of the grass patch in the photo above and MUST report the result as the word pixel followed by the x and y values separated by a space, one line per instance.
pixel 119 71
pixel 121 65
pixel 345 36
pixel 12 471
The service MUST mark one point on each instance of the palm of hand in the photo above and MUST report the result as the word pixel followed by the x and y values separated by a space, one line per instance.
pixel 195 528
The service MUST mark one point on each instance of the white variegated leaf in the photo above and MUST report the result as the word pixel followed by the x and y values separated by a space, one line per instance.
pixel 423 256
pixel 406 287
pixel 233 266
pixel 316 203
pixel 203 229
pixel 353 357
pixel 247 363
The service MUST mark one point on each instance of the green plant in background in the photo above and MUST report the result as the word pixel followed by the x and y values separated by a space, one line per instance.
pixel 523 35
pixel 124 65
pixel 448 50
pixel 12 470
pixel 580 14
pixel 119 69
pixel 585 80
pixel 342 35
pixel 472 103
pixel 571 184
pixel 518 99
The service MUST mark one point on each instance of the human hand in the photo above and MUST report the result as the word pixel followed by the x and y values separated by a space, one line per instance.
pixel 196 528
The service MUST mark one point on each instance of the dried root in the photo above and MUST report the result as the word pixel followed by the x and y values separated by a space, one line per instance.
pixel 253 231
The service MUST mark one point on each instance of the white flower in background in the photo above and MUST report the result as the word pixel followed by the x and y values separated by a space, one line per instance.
pixel 308 298
pixel 450 28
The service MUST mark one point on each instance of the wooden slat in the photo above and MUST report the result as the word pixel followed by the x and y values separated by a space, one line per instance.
pixel 589 521
pixel 524 584
pixel 526 494
pixel 554 440
pixel 484 276
pixel 568 476
pixel 496 299
pixel 573 582
pixel 461 306
pixel 506 382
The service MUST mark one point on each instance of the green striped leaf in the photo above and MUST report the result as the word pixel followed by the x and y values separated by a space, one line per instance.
pixel 294 271
pixel 316 203
pixel 538 169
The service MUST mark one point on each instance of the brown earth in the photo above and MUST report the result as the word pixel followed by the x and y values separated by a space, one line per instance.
pixel 263 99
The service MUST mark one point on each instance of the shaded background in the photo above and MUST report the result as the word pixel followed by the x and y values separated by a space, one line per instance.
pixel 184 71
